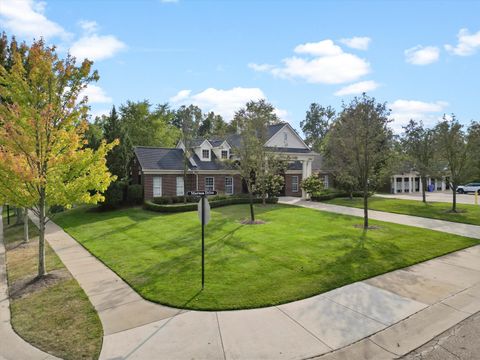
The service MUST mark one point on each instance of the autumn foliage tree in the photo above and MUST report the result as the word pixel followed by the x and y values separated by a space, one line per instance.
pixel 43 160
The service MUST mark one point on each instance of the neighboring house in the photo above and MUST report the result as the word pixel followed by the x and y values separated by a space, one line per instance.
pixel 409 182
pixel 160 170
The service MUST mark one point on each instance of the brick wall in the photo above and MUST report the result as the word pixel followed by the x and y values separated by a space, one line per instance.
pixel 288 185
pixel 169 184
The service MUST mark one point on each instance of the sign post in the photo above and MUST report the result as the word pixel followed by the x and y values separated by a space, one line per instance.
pixel 204 216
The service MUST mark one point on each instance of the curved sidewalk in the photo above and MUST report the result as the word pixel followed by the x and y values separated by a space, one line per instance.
pixel 12 346
pixel 382 317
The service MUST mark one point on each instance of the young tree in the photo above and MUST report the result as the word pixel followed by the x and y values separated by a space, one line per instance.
pixel 253 161
pixel 418 143
pixel 316 125
pixel 454 149
pixel 188 120
pixel 361 139
pixel 474 141
pixel 312 185
pixel 43 160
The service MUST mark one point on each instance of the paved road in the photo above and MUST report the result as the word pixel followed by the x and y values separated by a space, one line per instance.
pixel 459 342
pixel 434 197
pixel 12 346
pixel 383 317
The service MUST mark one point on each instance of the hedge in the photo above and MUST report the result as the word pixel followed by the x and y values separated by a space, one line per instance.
pixel 149 205
pixel 339 194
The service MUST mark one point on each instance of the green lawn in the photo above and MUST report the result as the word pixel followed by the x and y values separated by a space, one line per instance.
pixel 298 252
pixel 55 315
pixel 468 214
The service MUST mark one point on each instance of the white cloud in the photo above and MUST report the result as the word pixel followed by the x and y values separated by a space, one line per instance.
pixel 467 45
pixel 329 64
pixel 358 88
pixel 88 26
pixel 321 48
pixel 404 110
pixel 223 102
pixel 26 18
pixel 96 95
pixel 357 42
pixel 96 47
pixel 260 67
pixel 420 55
pixel 181 95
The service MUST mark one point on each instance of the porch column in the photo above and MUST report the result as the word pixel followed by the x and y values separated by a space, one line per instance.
pixel 394 184
pixel 306 172
pixel 444 187
pixel 420 184
pixel 410 184
pixel 403 184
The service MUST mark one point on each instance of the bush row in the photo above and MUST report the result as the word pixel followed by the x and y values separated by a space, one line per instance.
pixel 150 205
pixel 165 200
pixel 120 193
pixel 336 194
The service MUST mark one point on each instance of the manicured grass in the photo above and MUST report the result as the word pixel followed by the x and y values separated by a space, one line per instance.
pixel 297 253
pixel 54 315
pixel 468 214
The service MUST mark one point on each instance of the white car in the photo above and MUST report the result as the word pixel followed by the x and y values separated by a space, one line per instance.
pixel 472 187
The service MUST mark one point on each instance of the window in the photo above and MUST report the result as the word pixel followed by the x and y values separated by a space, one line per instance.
pixel 206 154
pixel 294 183
pixel 157 186
pixel 209 184
pixel 180 186
pixel 224 154
pixel 285 139
pixel 229 185
pixel 325 181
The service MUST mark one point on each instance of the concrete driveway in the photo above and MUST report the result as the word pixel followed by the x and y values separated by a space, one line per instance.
pixel 444 196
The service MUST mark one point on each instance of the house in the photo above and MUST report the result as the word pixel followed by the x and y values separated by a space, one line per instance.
pixel 409 182
pixel 160 170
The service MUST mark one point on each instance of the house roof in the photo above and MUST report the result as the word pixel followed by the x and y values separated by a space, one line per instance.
pixel 159 158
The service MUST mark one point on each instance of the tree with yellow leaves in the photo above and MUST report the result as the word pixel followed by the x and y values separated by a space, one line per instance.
pixel 43 157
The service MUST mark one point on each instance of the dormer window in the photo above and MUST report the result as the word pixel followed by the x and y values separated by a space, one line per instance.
pixel 224 154
pixel 206 154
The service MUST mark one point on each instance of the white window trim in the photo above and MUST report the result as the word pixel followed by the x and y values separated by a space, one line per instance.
pixel 213 182
pixel 209 154
pixel 221 154
pixel 295 177
pixel 233 190
pixel 159 187
pixel 182 192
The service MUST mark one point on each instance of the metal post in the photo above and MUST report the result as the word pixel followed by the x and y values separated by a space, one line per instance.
pixel 203 242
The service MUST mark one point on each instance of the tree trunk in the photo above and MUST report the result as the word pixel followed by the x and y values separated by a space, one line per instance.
pixel 423 179
pixel 264 199
pixel 252 214
pixel 454 193
pixel 25 225
pixel 41 238
pixel 18 216
pixel 365 206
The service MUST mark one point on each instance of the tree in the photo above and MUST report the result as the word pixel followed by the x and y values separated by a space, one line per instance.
pixel 316 125
pixel 253 162
pixel 454 148
pixel 418 143
pixel 474 141
pixel 361 140
pixel 312 185
pixel 212 125
pixel 188 120
pixel 94 134
pixel 43 161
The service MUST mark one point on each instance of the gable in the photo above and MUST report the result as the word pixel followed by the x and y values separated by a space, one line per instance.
pixel 286 137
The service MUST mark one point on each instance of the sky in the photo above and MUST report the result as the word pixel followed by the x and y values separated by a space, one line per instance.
pixel 421 57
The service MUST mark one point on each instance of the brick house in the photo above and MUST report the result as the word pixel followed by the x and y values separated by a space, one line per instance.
pixel 160 170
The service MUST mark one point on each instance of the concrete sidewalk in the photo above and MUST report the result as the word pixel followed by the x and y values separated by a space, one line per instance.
pixel 446 197
pixel 12 346
pixel 456 228
pixel 381 318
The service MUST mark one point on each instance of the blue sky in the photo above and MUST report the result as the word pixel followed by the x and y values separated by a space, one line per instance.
pixel 422 57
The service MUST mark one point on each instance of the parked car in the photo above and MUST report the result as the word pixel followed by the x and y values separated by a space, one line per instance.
pixel 472 187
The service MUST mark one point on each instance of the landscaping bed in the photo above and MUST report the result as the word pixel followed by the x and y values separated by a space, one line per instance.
pixel 294 254
pixel 53 314
pixel 468 214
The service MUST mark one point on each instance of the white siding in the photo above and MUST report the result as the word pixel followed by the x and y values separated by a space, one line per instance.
pixel 286 137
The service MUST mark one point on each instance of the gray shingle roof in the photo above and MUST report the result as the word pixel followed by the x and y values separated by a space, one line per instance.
pixel 159 158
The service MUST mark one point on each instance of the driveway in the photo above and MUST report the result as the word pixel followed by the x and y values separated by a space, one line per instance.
pixel 444 196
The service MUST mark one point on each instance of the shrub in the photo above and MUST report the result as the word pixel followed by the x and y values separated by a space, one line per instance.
pixel 55 209
pixel 323 196
pixel 223 201
pixel 114 196
pixel 312 185
pixel 135 194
